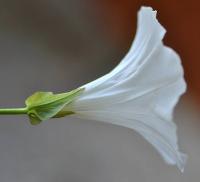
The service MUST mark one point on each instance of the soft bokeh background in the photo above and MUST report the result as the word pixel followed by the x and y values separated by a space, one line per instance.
pixel 60 45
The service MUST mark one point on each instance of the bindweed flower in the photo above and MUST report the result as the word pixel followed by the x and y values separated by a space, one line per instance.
pixel 139 93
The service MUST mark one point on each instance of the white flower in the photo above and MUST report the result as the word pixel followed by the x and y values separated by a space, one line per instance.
pixel 141 92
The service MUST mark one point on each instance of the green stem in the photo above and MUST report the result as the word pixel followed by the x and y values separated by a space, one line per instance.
pixel 9 111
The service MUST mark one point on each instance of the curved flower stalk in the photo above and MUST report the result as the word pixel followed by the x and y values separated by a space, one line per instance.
pixel 141 92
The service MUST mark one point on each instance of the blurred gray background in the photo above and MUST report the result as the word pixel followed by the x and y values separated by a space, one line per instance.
pixel 57 46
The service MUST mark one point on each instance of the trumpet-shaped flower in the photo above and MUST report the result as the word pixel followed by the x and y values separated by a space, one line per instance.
pixel 141 91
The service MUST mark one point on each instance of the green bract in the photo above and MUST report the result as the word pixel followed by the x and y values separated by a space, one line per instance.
pixel 45 105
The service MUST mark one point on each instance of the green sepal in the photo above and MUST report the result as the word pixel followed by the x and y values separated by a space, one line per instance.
pixel 45 105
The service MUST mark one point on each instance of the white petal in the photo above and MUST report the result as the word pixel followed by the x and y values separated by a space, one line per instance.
pixel 141 92
pixel 158 132
pixel 149 33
